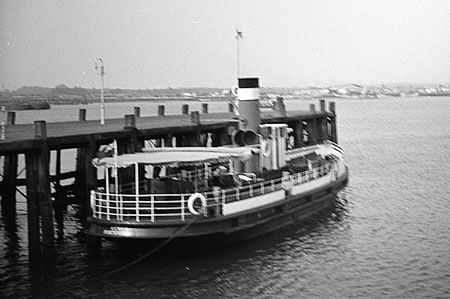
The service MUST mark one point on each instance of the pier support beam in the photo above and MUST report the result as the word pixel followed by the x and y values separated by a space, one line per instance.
pixel 333 129
pixel 59 203
pixel 39 202
pixel 82 115
pixel 205 108
pixel 322 123
pixel 34 233
pixel 85 173
pixel 185 109
pixel 161 110
pixel 137 112
pixel 312 126
pixel 132 145
pixel 8 191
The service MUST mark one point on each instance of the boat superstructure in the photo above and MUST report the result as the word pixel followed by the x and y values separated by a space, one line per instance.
pixel 252 186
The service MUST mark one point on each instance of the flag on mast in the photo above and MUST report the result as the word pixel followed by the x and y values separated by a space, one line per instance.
pixel 239 34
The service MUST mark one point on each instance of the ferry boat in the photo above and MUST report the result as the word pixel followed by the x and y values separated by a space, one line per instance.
pixel 229 193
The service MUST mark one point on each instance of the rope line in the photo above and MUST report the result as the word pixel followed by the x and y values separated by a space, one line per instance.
pixel 174 235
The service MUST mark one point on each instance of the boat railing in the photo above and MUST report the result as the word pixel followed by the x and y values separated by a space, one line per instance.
pixel 153 207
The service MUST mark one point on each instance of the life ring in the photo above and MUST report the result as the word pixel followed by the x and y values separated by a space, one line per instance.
pixel 265 148
pixel 191 201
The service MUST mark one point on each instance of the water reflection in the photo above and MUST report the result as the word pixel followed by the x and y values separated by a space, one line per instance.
pixel 12 240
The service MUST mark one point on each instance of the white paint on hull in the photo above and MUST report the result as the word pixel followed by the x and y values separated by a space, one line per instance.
pixel 252 203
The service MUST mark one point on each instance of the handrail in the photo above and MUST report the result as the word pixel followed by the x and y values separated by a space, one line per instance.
pixel 150 207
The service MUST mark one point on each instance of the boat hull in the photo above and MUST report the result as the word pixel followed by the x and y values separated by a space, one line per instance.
pixel 215 231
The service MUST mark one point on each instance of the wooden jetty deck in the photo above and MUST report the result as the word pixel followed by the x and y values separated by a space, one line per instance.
pixel 36 141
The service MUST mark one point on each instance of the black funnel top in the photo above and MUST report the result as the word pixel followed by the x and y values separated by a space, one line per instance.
pixel 248 82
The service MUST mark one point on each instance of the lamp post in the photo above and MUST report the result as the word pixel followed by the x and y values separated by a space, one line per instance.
pixel 101 72
pixel 239 36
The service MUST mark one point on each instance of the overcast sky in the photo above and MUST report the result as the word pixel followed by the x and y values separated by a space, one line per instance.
pixel 159 44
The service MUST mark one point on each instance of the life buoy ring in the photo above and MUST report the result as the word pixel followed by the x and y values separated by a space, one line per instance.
pixel 265 148
pixel 191 201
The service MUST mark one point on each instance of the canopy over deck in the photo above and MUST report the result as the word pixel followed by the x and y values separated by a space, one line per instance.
pixel 177 156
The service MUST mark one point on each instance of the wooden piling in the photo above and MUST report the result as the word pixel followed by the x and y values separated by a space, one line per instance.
pixel 185 109
pixel 41 163
pixel 90 174
pixel 82 115
pixel 34 233
pixel 132 145
pixel 8 193
pixel 322 105
pixel 312 126
pixel 137 112
pixel 298 134
pixel 333 129
pixel 11 118
pixel 59 203
pixel 205 108
pixel 161 110
pixel 322 123
pixel 79 170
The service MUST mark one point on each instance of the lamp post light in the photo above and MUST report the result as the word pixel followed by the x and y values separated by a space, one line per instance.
pixel 238 37
pixel 101 72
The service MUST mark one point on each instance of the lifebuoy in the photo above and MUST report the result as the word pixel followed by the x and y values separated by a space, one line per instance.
pixel 265 148
pixel 191 201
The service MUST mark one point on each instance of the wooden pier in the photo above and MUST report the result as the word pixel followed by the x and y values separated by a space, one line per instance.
pixel 38 140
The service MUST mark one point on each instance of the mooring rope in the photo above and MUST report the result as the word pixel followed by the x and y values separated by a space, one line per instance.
pixel 174 235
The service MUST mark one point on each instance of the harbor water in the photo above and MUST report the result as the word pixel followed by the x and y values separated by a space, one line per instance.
pixel 388 235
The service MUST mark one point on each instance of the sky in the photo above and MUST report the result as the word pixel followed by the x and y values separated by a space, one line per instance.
pixel 191 43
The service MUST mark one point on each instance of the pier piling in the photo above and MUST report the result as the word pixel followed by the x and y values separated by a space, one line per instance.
pixel 132 145
pixel 137 112
pixel 333 128
pixel 82 115
pixel 8 191
pixel 185 109
pixel 205 108
pixel 161 110
pixel 39 202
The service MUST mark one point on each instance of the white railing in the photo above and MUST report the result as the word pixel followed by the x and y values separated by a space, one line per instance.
pixel 154 207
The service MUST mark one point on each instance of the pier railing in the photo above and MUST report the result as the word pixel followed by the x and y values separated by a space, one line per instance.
pixel 154 207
